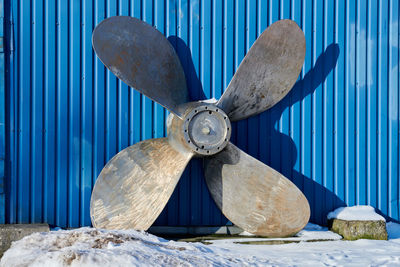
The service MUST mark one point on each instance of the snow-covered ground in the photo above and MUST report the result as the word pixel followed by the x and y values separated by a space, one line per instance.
pixel 93 247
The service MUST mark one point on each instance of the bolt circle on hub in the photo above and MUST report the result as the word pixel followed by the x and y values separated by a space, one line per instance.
pixel 207 129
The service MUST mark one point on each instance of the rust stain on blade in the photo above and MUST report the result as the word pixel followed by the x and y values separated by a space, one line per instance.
pixel 254 196
pixel 135 185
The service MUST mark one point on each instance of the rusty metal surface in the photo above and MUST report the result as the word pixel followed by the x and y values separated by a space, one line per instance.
pixel 135 185
pixel 267 73
pixel 143 58
pixel 207 129
pixel 204 129
pixel 254 196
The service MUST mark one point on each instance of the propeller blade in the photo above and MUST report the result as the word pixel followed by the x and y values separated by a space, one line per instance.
pixel 143 58
pixel 254 196
pixel 267 73
pixel 135 185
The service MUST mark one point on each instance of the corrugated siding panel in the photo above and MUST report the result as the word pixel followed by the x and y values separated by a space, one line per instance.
pixel 2 116
pixel 336 135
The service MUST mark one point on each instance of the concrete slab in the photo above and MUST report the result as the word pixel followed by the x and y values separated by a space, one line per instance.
pixel 14 232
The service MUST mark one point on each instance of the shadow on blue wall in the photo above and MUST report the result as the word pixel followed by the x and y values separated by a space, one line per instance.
pixel 320 198
pixel 191 203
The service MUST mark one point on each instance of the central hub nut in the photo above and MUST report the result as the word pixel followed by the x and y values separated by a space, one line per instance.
pixel 207 129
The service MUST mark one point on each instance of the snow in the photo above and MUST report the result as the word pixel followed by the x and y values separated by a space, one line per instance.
pixel 356 213
pixel 316 232
pixel 210 101
pixel 95 247
pixel 312 232
pixel 244 233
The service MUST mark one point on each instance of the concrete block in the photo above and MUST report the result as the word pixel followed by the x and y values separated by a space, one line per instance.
pixel 14 232
pixel 353 230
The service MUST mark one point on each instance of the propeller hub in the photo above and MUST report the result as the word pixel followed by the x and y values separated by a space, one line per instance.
pixel 207 129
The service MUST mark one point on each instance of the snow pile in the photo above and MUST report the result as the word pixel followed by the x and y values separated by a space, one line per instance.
pixel 355 213
pixel 94 247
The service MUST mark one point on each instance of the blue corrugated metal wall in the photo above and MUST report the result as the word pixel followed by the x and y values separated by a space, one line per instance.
pixel 2 115
pixel 336 135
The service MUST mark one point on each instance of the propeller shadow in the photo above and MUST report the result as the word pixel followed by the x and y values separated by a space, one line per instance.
pixel 191 203
pixel 192 80
pixel 193 177
pixel 321 200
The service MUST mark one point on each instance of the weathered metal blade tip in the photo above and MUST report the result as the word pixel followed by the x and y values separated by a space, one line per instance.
pixel 267 73
pixel 143 58
pixel 135 185
pixel 254 196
